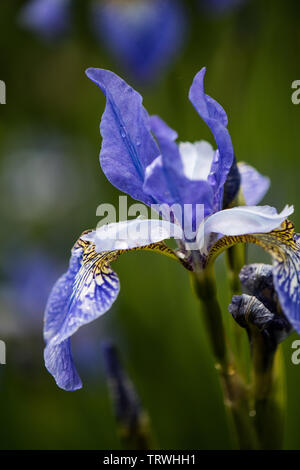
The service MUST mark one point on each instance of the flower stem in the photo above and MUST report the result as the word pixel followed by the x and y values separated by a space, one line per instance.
pixel 234 390
pixel 269 394
pixel 236 256
pixel 205 288
pixel 235 259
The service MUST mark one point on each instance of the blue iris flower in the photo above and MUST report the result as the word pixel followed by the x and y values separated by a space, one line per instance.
pixel 141 157
pixel 49 18
pixel 143 35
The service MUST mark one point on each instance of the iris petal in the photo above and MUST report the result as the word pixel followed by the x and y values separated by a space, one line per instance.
pixel 284 247
pixel 254 185
pixel 127 144
pixel 133 234
pixel 160 127
pixel 182 190
pixel 59 362
pixel 85 292
pixel 94 289
pixel 286 274
pixel 82 294
pixel 215 117
pixel 156 182
pixel 240 221
pixel 196 159
pixel 59 297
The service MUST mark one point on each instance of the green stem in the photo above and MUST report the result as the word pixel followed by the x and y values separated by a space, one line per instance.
pixel 138 438
pixel 268 389
pixel 235 393
pixel 236 259
pixel 205 288
pixel 269 394
pixel 236 255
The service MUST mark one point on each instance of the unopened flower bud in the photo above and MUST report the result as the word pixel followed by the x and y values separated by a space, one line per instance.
pixel 257 280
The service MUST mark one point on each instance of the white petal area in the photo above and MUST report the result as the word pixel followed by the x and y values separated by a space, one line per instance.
pixel 157 162
pixel 196 158
pixel 132 234
pixel 254 185
pixel 241 221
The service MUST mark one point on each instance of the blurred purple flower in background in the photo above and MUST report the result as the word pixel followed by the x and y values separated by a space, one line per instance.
pixel 24 290
pixel 143 35
pixel 220 7
pixel 132 420
pixel 49 18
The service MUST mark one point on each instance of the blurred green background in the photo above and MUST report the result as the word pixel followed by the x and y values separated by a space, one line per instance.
pixel 51 184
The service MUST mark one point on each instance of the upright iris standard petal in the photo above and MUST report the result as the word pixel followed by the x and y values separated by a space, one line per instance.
pixel 182 189
pixel 82 294
pixel 192 196
pixel 240 221
pixel 196 159
pixel 156 182
pixel 161 128
pixel 215 117
pixel 143 35
pixel 254 185
pixel 127 146
pixel 49 18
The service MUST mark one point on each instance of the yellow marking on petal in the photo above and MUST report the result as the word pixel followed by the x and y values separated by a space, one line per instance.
pixel 277 242
pixel 284 247
pixel 101 261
